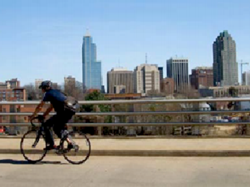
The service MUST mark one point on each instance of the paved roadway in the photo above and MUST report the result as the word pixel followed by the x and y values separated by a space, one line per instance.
pixel 126 172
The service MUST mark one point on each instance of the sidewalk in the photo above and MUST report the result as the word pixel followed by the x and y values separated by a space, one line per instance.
pixel 155 147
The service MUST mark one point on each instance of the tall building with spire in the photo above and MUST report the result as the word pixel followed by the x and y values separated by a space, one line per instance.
pixel 91 68
pixel 225 67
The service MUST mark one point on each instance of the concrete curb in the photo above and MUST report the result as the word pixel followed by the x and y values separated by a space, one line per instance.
pixel 147 137
pixel 155 153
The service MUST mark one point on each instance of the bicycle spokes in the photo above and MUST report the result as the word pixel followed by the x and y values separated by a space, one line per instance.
pixel 77 148
pixel 33 150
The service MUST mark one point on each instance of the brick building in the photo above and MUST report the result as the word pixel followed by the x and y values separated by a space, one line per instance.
pixel 14 83
pixel 201 77
pixel 16 94
pixel 8 94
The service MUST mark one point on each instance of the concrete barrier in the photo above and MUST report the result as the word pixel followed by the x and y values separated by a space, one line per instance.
pixel 153 147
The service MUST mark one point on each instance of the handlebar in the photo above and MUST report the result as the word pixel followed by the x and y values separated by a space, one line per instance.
pixel 40 119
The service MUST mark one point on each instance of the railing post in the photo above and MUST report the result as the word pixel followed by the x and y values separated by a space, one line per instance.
pixel 248 130
pixel 13 120
pixel 113 118
pixel 131 130
pixel 99 119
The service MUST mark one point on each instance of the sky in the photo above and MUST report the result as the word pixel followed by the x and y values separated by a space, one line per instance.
pixel 43 38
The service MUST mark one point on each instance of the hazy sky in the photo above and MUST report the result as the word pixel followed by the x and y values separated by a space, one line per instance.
pixel 43 38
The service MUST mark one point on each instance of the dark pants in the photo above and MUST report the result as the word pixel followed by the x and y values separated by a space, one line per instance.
pixel 58 122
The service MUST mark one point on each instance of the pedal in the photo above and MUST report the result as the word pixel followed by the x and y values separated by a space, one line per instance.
pixel 76 147
pixel 34 144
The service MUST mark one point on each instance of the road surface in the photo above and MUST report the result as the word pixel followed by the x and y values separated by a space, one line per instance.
pixel 126 172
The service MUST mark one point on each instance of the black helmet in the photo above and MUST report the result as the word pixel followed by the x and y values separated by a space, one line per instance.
pixel 45 84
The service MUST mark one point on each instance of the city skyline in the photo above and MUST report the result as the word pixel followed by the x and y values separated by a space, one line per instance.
pixel 39 37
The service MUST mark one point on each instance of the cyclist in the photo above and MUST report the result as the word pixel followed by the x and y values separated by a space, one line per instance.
pixel 64 108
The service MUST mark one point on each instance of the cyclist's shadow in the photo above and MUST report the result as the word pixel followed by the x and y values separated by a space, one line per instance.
pixel 23 162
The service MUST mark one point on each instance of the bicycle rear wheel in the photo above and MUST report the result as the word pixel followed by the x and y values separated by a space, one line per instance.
pixel 32 150
pixel 80 151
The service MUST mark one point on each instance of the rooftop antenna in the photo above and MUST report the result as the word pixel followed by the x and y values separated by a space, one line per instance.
pixel 119 63
pixel 87 32
pixel 146 58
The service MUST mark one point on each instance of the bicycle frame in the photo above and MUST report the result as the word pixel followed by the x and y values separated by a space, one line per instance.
pixel 40 131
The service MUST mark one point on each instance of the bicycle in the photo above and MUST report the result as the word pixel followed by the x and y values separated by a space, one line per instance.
pixel 32 148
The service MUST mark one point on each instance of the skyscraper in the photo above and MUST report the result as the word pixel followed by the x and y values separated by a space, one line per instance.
pixel 147 78
pixel 161 73
pixel 91 68
pixel 225 67
pixel 177 68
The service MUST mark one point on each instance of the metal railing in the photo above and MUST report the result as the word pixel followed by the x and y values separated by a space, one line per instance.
pixel 138 113
pixel 135 101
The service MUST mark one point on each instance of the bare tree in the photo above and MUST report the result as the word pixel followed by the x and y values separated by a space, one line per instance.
pixel 74 90
pixel 155 93
pixel 32 93
pixel 187 92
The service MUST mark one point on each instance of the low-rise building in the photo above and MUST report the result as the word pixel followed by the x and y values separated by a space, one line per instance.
pixel 223 91
pixel 246 78
pixel 16 94
pixel 201 77
pixel 14 83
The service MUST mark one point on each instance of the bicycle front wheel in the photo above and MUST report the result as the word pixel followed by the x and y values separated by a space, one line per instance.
pixel 31 149
pixel 80 151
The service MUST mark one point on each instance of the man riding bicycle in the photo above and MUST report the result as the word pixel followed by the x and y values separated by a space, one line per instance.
pixel 64 109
